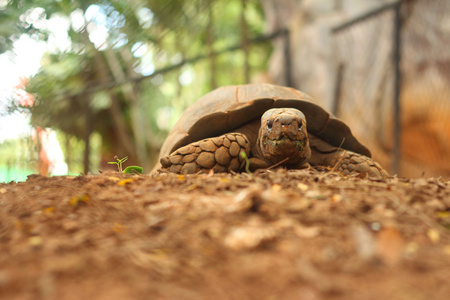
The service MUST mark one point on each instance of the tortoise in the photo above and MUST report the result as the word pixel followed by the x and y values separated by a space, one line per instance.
pixel 273 125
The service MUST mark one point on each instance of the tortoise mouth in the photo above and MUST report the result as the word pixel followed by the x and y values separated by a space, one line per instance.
pixel 285 147
pixel 285 141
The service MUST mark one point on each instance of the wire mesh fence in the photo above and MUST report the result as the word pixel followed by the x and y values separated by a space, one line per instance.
pixel 415 136
pixel 364 53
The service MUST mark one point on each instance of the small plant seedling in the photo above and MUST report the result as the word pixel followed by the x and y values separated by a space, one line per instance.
pixel 129 169
pixel 247 162
pixel 119 162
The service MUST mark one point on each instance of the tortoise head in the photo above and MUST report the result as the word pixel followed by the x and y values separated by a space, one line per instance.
pixel 283 136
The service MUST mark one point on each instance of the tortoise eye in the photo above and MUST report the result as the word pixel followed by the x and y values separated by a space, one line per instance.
pixel 269 125
pixel 300 126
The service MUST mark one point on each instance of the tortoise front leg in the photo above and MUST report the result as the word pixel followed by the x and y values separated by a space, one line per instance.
pixel 349 162
pixel 220 154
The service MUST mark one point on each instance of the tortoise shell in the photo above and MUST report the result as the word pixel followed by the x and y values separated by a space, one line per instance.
pixel 228 108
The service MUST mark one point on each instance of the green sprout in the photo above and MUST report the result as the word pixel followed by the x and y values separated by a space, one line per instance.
pixel 133 169
pixel 247 161
pixel 119 162
pixel 129 169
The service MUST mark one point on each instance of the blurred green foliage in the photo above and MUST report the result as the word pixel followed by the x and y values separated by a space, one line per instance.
pixel 107 80
pixel 17 159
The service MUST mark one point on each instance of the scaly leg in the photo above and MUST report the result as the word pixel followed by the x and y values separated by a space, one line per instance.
pixel 349 162
pixel 220 154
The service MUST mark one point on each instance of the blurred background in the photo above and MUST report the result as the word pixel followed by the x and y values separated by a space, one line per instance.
pixel 83 81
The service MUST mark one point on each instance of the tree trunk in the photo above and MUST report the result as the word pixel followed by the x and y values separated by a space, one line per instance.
pixel 210 45
pixel 137 121
pixel 245 42
pixel 115 110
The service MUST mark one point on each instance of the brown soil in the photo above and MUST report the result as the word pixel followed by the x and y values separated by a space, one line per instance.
pixel 276 234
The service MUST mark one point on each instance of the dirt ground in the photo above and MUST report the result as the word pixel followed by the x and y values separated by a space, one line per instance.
pixel 275 234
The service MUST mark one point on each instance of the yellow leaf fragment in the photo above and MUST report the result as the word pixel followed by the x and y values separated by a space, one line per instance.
pixel 276 187
pixel 35 240
pixel 302 186
pixel 307 232
pixel 119 227
pixel 336 198
pixel 224 179
pixel 433 235
pixel 124 182
pixel 411 248
pixel 158 254
pixel 192 216
pixel 18 225
pixel 77 200
pixel 191 187
pixel 181 177
pixel 25 227
pixel 115 179
pixel 443 214
pixel 48 211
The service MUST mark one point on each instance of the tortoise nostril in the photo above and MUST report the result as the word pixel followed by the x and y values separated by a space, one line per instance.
pixel 285 120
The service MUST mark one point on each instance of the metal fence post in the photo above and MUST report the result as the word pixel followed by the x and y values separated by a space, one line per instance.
pixel 87 134
pixel 337 90
pixel 397 88
pixel 287 58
